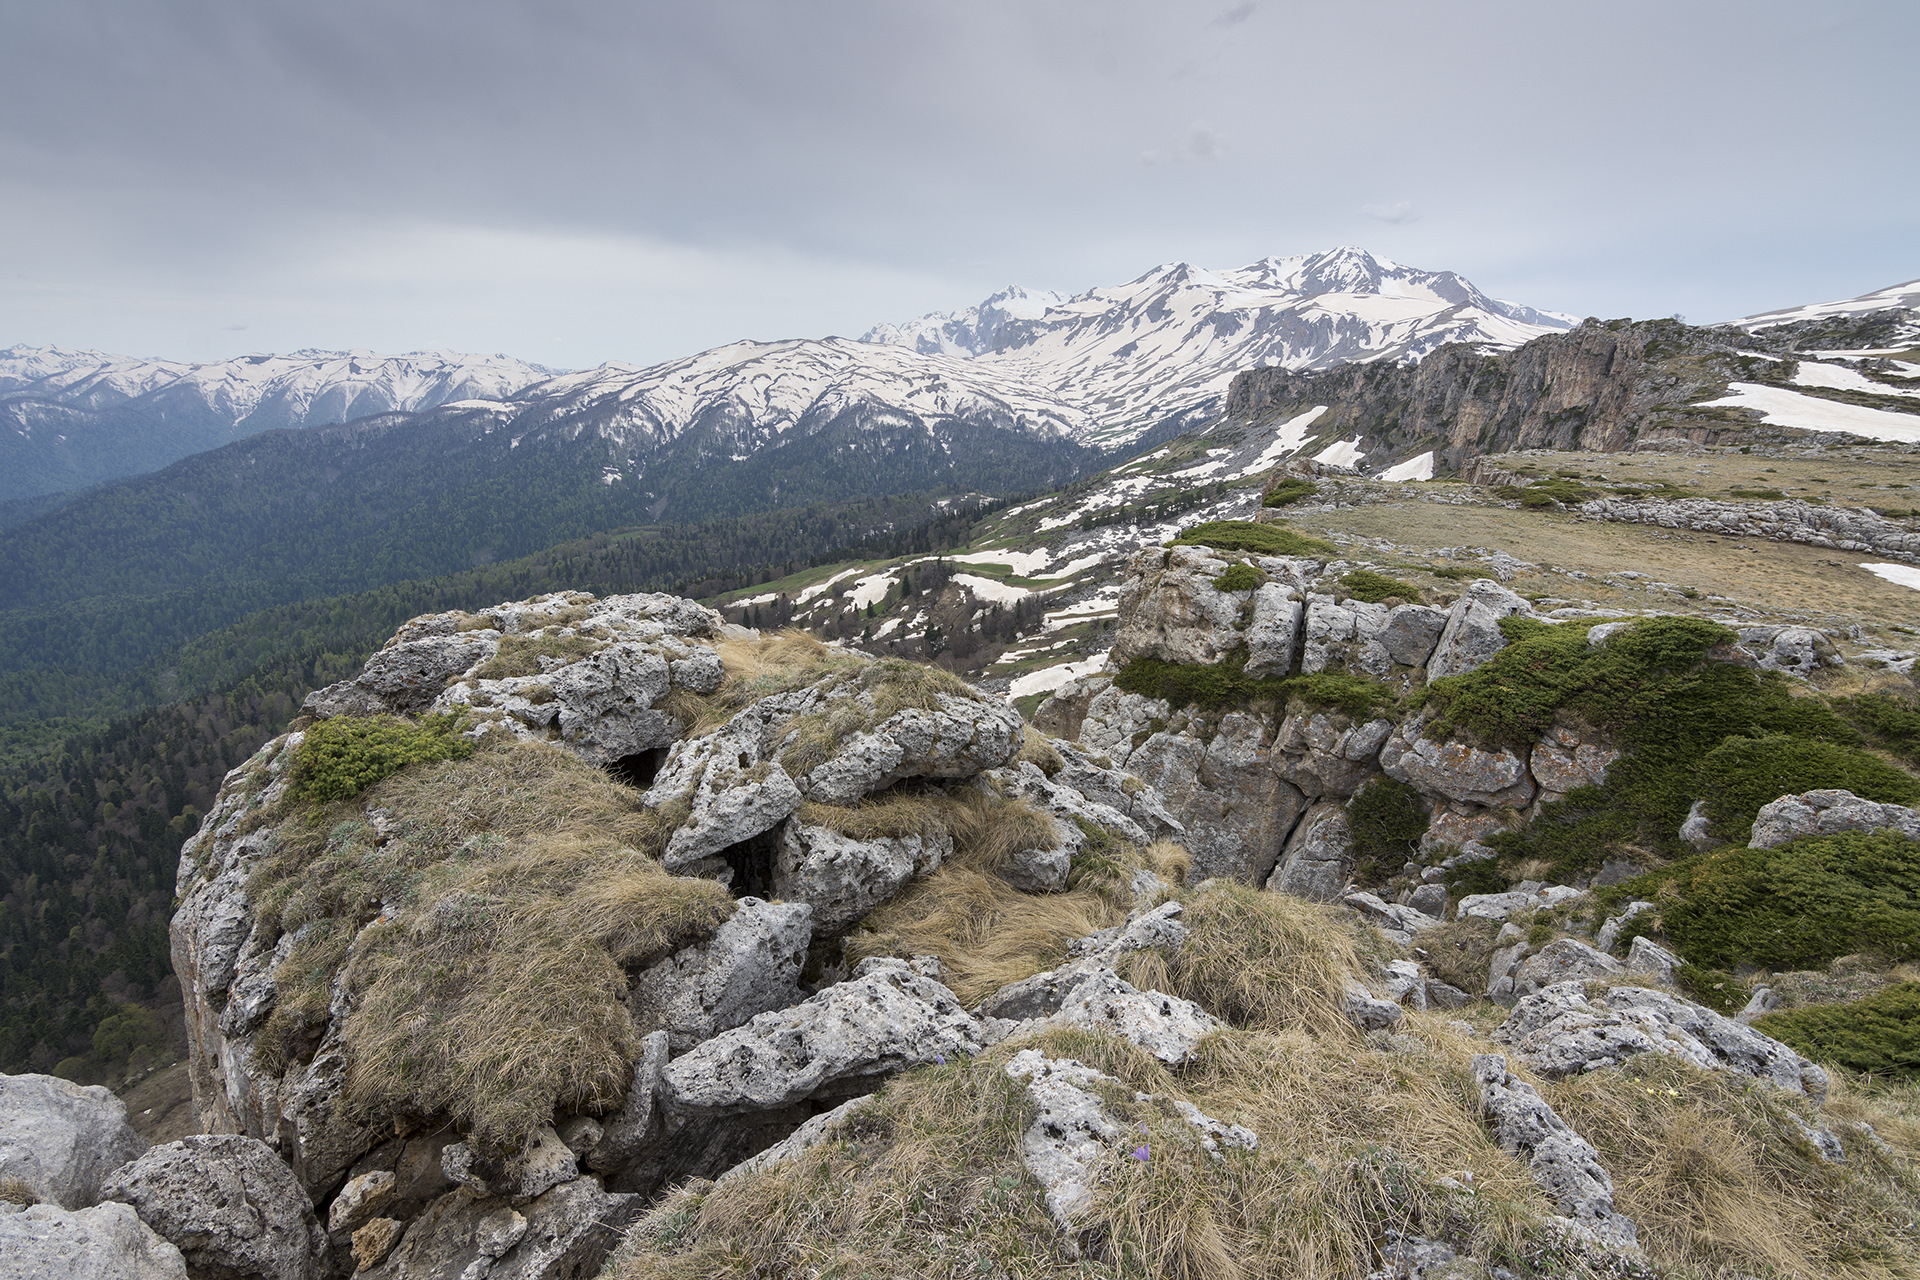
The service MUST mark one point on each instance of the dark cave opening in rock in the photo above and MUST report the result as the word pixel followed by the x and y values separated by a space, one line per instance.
pixel 752 863
pixel 639 769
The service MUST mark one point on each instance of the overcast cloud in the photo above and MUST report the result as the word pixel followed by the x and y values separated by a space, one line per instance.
pixel 573 181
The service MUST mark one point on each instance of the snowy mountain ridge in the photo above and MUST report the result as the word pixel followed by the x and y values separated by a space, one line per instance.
pixel 1904 296
pixel 1166 344
pixel 300 388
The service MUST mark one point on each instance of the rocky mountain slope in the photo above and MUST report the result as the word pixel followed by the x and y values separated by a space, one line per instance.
pixel 1164 347
pixel 578 922
pixel 76 418
pixel 1901 297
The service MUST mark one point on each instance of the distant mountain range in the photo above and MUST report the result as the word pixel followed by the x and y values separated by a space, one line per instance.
pixel 1164 346
pixel 72 419
pixel 1101 369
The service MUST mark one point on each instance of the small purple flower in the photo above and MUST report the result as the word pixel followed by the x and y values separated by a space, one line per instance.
pixel 1140 1154
pixel 940 1058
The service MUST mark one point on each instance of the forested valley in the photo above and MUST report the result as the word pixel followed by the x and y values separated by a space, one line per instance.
pixel 122 718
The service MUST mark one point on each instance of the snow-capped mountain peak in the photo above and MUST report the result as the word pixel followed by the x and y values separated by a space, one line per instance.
pixel 1164 345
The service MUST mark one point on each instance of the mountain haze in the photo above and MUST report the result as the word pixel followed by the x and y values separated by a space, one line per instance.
pixel 70 419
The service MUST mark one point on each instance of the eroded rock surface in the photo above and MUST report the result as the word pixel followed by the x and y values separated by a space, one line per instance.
pixel 1560 1031
pixel 229 1204
pixel 1563 1164
pixel 750 965
pixel 104 1242
pixel 62 1139
pixel 1826 813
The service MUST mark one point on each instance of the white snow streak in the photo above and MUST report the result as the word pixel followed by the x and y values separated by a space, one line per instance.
pixel 1420 468
pixel 1782 408
pixel 1047 679
pixel 1904 574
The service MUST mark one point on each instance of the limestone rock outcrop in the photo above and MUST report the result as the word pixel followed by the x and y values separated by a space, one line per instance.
pixel 104 1242
pixel 750 965
pixel 1564 1164
pixel 1560 1031
pixel 1170 609
pixel 62 1139
pixel 231 1206
pixel 1472 633
pixel 1826 813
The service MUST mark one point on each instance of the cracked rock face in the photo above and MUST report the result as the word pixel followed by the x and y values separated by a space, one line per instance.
pixel 750 965
pixel 229 1204
pixel 1324 754
pixel 1560 1032
pixel 1472 634
pixel 1563 1164
pixel 1319 855
pixel 464 1235
pixel 1561 761
pixel 886 1018
pixel 1235 809
pixel 1170 609
pixel 1456 770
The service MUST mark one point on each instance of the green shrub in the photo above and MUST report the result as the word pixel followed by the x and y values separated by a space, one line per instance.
pixel 1796 906
pixel 1369 587
pixel 1769 495
pixel 1890 722
pixel 1289 491
pixel 1742 774
pixel 1225 685
pixel 1717 989
pixel 1239 577
pixel 1657 694
pixel 1387 821
pixel 344 756
pixel 1879 1035
pixel 1245 535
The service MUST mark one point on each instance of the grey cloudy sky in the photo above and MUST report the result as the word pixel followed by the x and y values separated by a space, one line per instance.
pixel 574 181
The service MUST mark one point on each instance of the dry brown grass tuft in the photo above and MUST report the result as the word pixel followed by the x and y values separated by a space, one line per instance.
pixel 513 889
pixel 1715 1174
pixel 895 814
pixel 1460 952
pixel 1038 750
pixel 776 663
pixel 1257 959
pixel 986 932
pixel 18 1191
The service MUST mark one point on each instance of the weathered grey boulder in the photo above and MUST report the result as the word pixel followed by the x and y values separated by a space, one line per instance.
pixel 1064 710
pixel 1456 770
pixel 61 1138
pixel 1318 860
pixel 1697 829
pixel 409 674
pixel 464 1235
pixel 1072 1130
pixel 1165 1026
pixel 624 1134
pixel 1273 631
pixel 1504 906
pixel 105 1242
pixel 1612 926
pixel 1563 1164
pixel 1649 959
pixel 1042 995
pixel 1826 813
pixel 1323 753
pixel 1081 791
pixel 1411 632
pixel 1472 634
pixel 1044 870
pixel 1397 921
pixel 1170 609
pixel 229 1204
pixel 1235 809
pixel 843 878
pixel 1430 899
pixel 844 1040
pixel 1369 1012
pixel 1798 651
pixel 1560 1032
pixel 750 965
pixel 1562 761
pixel 1562 960
pixel 543 1163
pixel 959 738
pixel 359 1202
pixel 1345 636
pixel 734 788
pixel 821 1128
